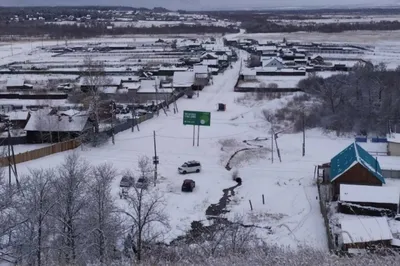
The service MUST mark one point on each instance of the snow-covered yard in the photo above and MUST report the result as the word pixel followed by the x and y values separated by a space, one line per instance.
pixel 291 208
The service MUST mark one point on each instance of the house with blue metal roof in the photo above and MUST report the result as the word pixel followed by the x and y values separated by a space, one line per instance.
pixel 355 166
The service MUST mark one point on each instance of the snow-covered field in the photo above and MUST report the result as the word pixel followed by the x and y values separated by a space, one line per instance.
pixel 291 209
pixel 341 19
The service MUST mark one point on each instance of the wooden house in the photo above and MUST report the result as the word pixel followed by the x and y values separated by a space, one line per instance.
pixel 355 166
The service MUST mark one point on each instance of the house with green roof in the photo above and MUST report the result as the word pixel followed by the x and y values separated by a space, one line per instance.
pixel 354 166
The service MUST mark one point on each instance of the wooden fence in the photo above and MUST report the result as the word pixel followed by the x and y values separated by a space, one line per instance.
pixel 42 152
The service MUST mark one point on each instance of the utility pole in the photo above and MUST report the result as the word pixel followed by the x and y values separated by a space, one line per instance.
pixel 12 167
pixel 155 158
pixel 277 148
pixel 112 122
pixel 272 146
pixel 134 122
pixel 156 87
pixel 304 136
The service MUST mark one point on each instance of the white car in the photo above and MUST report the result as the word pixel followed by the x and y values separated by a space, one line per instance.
pixel 190 167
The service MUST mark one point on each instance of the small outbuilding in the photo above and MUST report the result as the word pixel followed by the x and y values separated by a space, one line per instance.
pixel 361 233
pixel 355 166
pixel 393 140
pixel 47 128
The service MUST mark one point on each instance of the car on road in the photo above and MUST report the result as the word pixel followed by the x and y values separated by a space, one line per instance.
pixel 188 185
pixel 190 167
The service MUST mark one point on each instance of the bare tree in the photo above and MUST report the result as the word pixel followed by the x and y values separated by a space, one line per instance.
pixel 36 204
pixel 146 218
pixel 145 168
pixel 223 236
pixel 104 223
pixel 9 218
pixel 71 188
pixel 94 76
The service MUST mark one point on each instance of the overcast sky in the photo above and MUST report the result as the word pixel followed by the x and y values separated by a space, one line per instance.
pixel 209 4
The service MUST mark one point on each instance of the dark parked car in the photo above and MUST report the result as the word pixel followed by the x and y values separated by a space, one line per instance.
pixel 188 185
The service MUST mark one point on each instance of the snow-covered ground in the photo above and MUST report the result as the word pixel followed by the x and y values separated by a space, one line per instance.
pixel 291 208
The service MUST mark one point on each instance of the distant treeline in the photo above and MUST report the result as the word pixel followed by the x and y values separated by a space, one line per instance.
pixel 56 31
pixel 243 15
pixel 253 26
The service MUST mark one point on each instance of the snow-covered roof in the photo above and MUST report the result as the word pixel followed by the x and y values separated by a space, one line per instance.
pixel 17 115
pixel 395 242
pixel 389 162
pixel 15 82
pixel 271 60
pixel 72 112
pixel 131 85
pixel 362 230
pixel 149 84
pixel 209 62
pixel 200 69
pixel 248 72
pixel 266 48
pixel 183 79
pixel 209 54
pixel 352 155
pixel 371 194
pixel 393 137
pixel 54 123
pixel 108 90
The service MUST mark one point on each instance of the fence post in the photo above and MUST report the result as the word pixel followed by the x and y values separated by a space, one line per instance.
pixel 263 199
pixel 251 205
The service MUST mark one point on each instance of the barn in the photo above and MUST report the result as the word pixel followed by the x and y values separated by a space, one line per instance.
pixel 368 200
pixel 355 166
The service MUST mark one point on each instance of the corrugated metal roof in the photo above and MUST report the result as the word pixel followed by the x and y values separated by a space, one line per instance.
pixel 351 156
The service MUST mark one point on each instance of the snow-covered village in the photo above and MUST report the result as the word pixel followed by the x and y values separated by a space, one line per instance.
pixel 227 148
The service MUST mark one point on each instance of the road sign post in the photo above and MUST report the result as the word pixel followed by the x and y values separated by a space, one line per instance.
pixel 196 118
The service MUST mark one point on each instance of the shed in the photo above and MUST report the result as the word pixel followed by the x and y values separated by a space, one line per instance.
pixel 390 166
pixel 356 166
pixel 17 84
pixel 393 144
pixel 368 200
pixel 365 232
pixel 18 118
pixel 150 90
pixel 184 80
pixel 54 128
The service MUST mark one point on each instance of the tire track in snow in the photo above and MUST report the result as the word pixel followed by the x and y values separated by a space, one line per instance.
pixel 305 217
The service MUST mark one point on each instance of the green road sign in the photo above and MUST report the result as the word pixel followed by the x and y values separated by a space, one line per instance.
pixel 196 118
